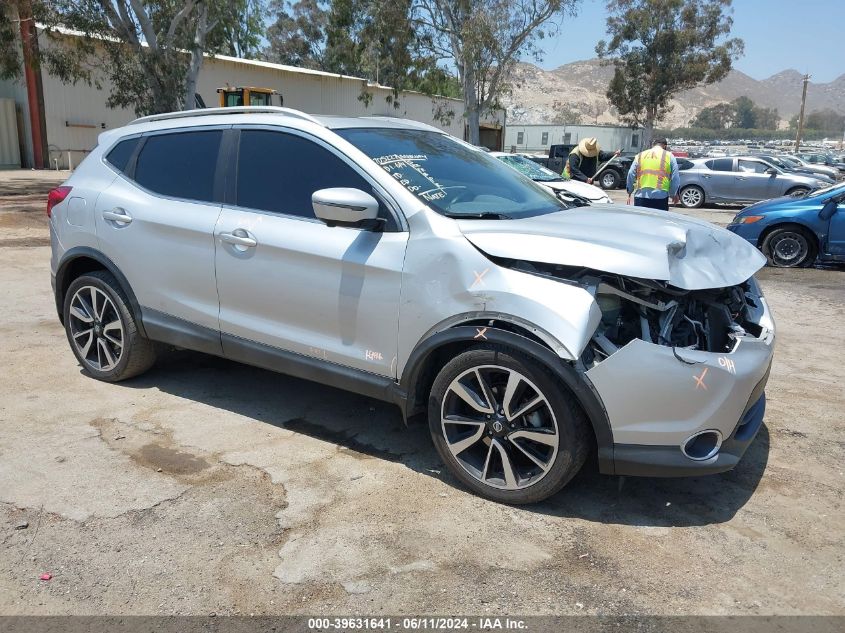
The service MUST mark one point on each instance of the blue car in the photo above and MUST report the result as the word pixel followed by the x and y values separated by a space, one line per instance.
pixel 795 232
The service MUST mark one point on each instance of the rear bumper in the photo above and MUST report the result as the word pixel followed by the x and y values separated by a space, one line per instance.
pixel 669 461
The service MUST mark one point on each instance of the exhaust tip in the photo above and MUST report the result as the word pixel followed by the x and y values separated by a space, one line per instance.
pixel 702 445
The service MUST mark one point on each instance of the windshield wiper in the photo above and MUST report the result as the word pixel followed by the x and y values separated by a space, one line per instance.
pixel 484 215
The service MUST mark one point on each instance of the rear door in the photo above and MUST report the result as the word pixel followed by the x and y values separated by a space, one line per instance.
pixel 288 281
pixel 719 181
pixel 156 223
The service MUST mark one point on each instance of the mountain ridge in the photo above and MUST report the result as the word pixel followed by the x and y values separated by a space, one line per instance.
pixel 582 85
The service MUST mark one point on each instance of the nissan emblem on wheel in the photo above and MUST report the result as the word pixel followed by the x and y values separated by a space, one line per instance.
pixel 385 257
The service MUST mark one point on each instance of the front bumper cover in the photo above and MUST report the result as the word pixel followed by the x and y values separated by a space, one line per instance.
pixel 656 397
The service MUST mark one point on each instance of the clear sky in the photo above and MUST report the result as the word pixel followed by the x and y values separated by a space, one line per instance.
pixel 807 35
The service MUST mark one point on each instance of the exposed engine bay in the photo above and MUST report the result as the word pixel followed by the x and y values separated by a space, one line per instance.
pixel 708 320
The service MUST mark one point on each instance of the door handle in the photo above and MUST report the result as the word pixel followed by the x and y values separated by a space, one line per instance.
pixel 117 215
pixel 740 177
pixel 238 240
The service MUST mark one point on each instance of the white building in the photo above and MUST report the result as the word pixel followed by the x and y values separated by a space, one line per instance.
pixel 74 115
pixel 538 138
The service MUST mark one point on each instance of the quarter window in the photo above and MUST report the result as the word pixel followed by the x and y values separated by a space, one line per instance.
pixel 278 172
pixel 181 165
pixel 721 164
pixel 120 154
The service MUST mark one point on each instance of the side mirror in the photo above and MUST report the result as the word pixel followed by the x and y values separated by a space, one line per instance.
pixel 828 210
pixel 772 171
pixel 344 205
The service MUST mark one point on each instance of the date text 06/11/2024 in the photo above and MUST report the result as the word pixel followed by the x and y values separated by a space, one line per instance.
pixel 416 624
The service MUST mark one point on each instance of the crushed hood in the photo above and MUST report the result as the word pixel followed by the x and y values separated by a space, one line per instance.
pixel 687 253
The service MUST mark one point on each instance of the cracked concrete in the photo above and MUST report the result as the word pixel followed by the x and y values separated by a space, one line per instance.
pixel 209 487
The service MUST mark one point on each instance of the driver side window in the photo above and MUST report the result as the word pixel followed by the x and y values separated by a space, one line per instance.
pixel 278 172
pixel 751 166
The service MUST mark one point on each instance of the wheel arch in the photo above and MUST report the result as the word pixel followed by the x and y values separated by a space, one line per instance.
pixel 432 353
pixel 793 224
pixel 80 260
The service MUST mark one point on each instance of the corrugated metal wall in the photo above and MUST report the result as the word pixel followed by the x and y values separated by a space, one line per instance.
pixel 10 153
pixel 76 114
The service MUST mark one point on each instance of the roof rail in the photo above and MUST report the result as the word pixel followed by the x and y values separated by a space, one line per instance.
pixel 187 114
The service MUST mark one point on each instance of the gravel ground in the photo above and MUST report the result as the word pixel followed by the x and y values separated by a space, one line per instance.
pixel 209 487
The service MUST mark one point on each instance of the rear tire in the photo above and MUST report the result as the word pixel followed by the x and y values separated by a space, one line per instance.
pixel 609 179
pixel 102 330
pixel 692 197
pixel 790 247
pixel 505 426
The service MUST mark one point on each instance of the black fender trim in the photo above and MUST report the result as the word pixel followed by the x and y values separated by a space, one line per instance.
pixel 85 251
pixel 571 376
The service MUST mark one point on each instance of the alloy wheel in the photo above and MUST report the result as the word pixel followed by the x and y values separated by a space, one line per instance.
pixel 789 249
pixel 691 197
pixel 499 427
pixel 608 180
pixel 96 328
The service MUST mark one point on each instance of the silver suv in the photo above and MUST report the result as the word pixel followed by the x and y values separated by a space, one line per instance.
pixel 385 257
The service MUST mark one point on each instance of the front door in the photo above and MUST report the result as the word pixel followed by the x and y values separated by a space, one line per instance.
pixel 288 281
pixel 836 232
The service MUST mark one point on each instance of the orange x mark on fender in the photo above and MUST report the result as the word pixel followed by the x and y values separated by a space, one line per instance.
pixel 479 277
pixel 699 380
pixel 481 332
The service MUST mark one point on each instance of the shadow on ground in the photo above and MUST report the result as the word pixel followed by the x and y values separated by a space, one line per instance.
pixel 372 428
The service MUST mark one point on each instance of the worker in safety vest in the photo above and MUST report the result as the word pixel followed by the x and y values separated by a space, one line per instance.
pixel 653 177
pixel 583 161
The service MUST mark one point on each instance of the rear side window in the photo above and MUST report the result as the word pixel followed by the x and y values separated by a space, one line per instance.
pixel 721 164
pixel 683 164
pixel 181 165
pixel 278 172
pixel 120 154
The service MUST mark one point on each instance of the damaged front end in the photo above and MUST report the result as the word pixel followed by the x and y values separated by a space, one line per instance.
pixel 680 373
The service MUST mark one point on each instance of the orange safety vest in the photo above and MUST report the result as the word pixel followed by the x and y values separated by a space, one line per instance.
pixel 653 170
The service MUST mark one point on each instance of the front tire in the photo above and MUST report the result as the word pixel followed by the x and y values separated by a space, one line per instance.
pixel 102 331
pixel 798 192
pixel 790 247
pixel 505 426
pixel 692 197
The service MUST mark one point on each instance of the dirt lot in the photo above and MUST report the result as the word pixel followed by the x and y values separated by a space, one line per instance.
pixel 209 487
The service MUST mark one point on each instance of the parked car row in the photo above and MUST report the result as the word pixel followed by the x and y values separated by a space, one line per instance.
pixel 740 179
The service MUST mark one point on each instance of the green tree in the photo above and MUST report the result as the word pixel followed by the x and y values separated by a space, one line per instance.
pixel 483 39
pixel 717 117
pixel 661 47
pixel 362 38
pixel 149 51
pixel 826 121
pixel 566 114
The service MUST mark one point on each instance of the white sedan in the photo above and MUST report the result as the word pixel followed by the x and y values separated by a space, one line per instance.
pixel 569 190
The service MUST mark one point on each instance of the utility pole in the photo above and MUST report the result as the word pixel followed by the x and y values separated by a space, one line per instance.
pixel 801 115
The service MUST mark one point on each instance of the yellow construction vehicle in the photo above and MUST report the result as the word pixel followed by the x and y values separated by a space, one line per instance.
pixel 247 95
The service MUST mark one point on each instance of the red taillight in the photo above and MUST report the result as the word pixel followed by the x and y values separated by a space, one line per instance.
pixel 55 197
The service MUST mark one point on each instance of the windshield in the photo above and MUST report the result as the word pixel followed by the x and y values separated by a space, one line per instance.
pixel 451 177
pixel 835 188
pixel 529 168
